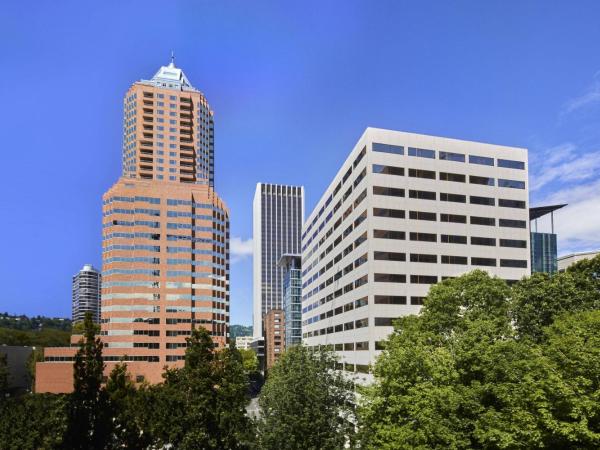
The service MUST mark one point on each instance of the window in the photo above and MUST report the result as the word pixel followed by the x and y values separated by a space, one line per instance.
pixel 360 156
pixel 481 180
pixel 361 302
pixel 390 278
pixel 455 177
pixel 448 156
pixel 388 170
pixel 389 234
pixel 505 203
pixel 448 259
pixel 422 258
pixel 514 184
pixel 491 242
pixel 489 221
pixel 389 256
pixel 512 223
pixel 489 262
pixel 454 218
pixel 453 239
pixel 487 201
pixel 520 263
pixel 349 346
pixel 424 237
pixel 362 345
pixel 361 323
pixel 388 148
pixel 417 300
pixel 423 279
pixel 421 215
pixel 457 198
pixel 390 300
pixel 421 173
pixel 392 213
pixel 393 192
pixel 380 345
pixel 421 152
pixel 384 321
pixel 421 195
pixel 483 160
pixel 511 164
pixel 515 243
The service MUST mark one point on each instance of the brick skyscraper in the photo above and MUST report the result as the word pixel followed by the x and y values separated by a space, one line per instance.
pixel 165 233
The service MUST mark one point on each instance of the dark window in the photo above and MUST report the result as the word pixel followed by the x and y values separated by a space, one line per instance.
pixel 390 256
pixel 421 215
pixel 422 195
pixel 515 184
pixel 362 345
pixel 511 203
pixel 387 148
pixel 384 321
pixel 448 259
pixel 483 241
pixel 476 200
pixel 392 213
pixel 422 258
pixel 390 300
pixel 388 170
pixel 456 177
pixel 448 156
pixel 481 180
pixel 454 218
pixel 453 239
pixel 380 345
pixel 512 223
pixel 361 323
pixel 393 192
pixel 483 160
pixel 421 152
pixel 511 164
pixel 389 234
pixel 520 263
pixel 417 300
pixel 421 173
pixel 425 237
pixel 489 262
pixel 457 198
pixel 423 279
pixel 489 221
pixel 513 243
pixel 390 278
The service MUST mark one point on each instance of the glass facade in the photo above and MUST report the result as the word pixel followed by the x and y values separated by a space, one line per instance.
pixel 543 252
pixel 292 298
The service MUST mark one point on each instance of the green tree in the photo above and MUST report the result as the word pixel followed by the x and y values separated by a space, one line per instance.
pixel 3 376
pixel 201 405
pixel 88 412
pixel 249 360
pixel 305 404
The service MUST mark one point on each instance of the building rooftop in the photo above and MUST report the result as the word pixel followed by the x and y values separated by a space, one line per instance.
pixel 171 77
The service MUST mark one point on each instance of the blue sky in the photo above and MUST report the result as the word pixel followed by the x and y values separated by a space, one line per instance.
pixel 293 85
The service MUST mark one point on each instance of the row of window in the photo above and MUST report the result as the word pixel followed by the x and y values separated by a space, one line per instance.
pixel 447 197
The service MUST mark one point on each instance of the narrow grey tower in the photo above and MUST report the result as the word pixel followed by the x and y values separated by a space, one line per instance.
pixel 86 293
pixel 278 214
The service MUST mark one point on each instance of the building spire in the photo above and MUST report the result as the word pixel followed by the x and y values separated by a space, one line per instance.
pixel 172 64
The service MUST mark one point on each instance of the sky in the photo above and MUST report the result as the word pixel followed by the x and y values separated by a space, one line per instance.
pixel 293 86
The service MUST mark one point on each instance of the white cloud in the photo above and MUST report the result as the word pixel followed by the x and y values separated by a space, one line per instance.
pixel 240 248
pixel 591 96
pixel 564 164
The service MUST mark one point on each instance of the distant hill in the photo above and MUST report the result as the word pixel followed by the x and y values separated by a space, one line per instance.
pixel 240 330
pixel 25 323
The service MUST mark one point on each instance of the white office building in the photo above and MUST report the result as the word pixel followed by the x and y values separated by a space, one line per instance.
pixel 404 212
pixel 278 214
pixel 87 287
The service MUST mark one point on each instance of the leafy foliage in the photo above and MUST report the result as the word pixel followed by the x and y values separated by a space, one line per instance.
pixel 45 338
pixel 37 323
pixel 487 366
pixel 305 404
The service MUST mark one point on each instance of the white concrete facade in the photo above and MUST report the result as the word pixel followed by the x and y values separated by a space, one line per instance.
pixel 243 342
pixel 391 224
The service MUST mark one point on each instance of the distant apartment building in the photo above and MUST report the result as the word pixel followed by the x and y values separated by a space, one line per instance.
pixel 86 292
pixel 543 244
pixel 278 214
pixel 165 238
pixel 243 342
pixel 274 336
pixel 404 212
pixel 292 298
pixel 568 260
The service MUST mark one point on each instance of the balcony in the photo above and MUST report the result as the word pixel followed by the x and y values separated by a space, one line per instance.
pixel 187 140
pixel 186 124
pixel 148 135
pixel 146 143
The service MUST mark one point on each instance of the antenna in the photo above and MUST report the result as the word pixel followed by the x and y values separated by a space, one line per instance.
pixel 172 58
